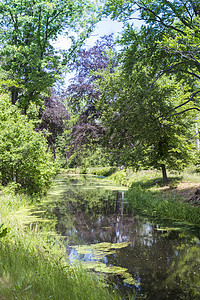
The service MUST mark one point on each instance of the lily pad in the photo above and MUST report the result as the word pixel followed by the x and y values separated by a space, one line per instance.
pixel 100 250
pixel 130 280
pixel 113 270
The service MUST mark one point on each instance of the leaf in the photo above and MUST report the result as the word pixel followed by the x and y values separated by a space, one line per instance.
pixel 4 232
pixel 167 229
pixel 120 245
pixel 130 280
pixel 28 287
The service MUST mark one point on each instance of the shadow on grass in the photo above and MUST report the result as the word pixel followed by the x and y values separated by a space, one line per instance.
pixel 149 183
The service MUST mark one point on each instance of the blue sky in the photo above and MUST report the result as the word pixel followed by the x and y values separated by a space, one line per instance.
pixel 105 27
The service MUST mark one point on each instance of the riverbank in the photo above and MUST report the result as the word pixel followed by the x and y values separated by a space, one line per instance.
pixel 179 200
pixel 33 261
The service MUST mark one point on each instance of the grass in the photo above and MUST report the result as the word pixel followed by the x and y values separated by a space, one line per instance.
pixel 99 171
pixel 33 263
pixel 159 205
pixel 150 196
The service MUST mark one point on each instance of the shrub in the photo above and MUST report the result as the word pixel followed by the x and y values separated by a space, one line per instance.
pixel 104 171
pixel 23 151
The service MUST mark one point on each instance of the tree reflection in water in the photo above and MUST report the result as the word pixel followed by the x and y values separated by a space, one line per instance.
pixel 165 261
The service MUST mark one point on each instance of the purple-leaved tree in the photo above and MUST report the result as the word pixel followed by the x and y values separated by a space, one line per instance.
pixel 83 95
pixel 54 119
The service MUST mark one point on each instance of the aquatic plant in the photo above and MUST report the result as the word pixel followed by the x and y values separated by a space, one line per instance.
pixel 33 262
pixel 97 253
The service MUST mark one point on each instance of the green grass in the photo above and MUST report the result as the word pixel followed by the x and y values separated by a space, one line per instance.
pixel 154 203
pixel 99 171
pixel 33 263
pixel 153 178
pixel 146 195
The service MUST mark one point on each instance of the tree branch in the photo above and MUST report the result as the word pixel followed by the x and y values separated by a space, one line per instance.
pixel 181 112
pixel 164 71
pixel 159 19
pixel 192 136
pixel 184 103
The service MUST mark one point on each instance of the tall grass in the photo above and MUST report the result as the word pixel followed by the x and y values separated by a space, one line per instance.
pixel 154 204
pixel 34 265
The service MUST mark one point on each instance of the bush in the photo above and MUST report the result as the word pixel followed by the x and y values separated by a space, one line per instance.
pixel 104 171
pixel 23 151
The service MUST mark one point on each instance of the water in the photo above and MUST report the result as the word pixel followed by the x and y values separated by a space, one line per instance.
pixel 147 259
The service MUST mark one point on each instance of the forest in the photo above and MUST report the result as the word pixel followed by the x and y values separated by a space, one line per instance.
pixel 131 106
pixel 135 107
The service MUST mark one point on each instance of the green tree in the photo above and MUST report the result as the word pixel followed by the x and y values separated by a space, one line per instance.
pixel 23 151
pixel 142 127
pixel 165 49
pixel 28 30
pixel 168 40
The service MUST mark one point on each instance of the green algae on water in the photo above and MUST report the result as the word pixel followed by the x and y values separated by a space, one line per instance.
pixel 98 252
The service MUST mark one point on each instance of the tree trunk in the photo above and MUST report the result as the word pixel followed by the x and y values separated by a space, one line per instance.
pixel 197 133
pixel 14 95
pixel 164 174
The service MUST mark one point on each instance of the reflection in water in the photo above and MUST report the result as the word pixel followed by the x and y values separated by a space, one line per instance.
pixel 164 262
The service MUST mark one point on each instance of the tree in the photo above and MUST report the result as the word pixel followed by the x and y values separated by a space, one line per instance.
pixel 166 48
pixel 28 29
pixel 23 151
pixel 139 126
pixel 170 34
pixel 83 95
pixel 53 121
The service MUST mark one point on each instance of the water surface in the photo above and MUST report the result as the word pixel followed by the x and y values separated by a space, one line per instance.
pixel 147 259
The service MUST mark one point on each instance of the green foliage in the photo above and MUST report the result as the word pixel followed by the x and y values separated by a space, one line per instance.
pixel 102 171
pixel 119 177
pixel 184 276
pixel 28 30
pixel 34 273
pixel 4 231
pixel 89 156
pixel 23 152
pixel 140 127
pixel 158 87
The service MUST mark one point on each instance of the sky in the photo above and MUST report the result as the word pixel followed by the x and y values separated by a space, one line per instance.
pixel 104 27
